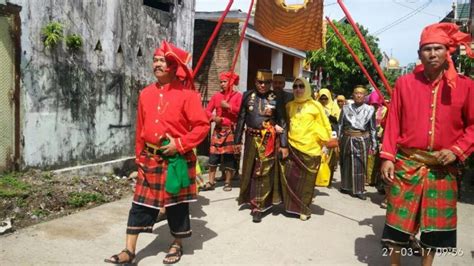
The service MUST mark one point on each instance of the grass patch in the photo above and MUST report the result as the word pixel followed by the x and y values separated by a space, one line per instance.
pixel 40 213
pixel 80 199
pixel 11 186
pixel 47 175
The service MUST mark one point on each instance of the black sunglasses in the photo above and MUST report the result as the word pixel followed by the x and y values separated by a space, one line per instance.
pixel 296 86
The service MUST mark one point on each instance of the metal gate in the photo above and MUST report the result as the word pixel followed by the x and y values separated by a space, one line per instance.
pixel 7 89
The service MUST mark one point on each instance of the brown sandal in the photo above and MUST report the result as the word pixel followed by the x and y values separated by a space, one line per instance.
pixel 227 187
pixel 116 260
pixel 176 255
pixel 208 186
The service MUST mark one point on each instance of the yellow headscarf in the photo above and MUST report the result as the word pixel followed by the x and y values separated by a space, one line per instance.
pixel 341 97
pixel 307 91
pixel 309 127
pixel 331 107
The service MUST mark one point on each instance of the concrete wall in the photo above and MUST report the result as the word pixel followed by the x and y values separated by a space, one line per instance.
pixel 80 107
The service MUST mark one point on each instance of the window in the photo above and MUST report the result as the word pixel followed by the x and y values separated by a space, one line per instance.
pixel 163 5
pixel 288 65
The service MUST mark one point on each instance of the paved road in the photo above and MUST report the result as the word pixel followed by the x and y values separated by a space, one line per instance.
pixel 341 231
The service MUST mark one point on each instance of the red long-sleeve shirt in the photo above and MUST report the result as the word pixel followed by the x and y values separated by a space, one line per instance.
pixel 171 109
pixel 426 116
pixel 229 116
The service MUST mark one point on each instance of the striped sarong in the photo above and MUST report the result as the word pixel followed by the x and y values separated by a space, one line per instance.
pixel 422 197
pixel 257 186
pixel 298 181
pixel 222 141
pixel 354 151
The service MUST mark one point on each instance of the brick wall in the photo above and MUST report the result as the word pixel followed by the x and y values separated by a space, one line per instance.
pixel 219 57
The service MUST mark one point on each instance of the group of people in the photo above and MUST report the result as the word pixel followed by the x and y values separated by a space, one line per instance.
pixel 428 132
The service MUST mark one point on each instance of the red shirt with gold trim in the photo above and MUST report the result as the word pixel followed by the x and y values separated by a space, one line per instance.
pixel 170 109
pixel 430 116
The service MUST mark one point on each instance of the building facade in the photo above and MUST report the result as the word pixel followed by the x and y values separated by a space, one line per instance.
pixel 68 105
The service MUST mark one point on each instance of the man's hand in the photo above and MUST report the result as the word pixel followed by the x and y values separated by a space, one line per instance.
pixel 169 149
pixel 445 156
pixel 388 171
pixel 225 104
pixel 218 120
pixel 325 150
pixel 278 129
pixel 284 153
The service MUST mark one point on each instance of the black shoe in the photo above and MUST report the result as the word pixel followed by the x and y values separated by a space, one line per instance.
pixel 361 196
pixel 343 191
pixel 257 217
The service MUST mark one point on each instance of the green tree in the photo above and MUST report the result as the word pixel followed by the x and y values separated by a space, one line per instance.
pixel 339 68
pixel 467 65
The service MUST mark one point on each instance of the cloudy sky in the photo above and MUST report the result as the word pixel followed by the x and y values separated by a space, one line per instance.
pixel 397 22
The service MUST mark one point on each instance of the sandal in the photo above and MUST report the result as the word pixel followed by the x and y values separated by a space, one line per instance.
pixel 175 256
pixel 208 186
pixel 116 260
pixel 227 187
pixel 304 217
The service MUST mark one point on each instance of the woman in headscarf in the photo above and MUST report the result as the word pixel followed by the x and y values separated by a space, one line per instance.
pixel 341 101
pixel 309 129
pixel 332 111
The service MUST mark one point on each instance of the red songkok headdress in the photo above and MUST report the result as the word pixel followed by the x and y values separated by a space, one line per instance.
pixel 232 78
pixel 449 35
pixel 177 60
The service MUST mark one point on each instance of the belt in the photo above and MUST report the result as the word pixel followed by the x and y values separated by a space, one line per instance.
pixel 151 148
pixel 356 133
pixel 254 131
pixel 419 156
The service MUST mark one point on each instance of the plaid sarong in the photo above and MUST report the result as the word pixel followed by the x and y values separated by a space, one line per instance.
pixel 150 187
pixel 298 181
pixel 422 197
pixel 354 150
pixel 222 141
pixel 259 176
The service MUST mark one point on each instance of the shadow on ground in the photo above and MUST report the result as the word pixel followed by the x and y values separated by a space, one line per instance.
pixel 369 249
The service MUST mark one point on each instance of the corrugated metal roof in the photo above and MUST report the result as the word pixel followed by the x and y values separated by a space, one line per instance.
pixel 463 11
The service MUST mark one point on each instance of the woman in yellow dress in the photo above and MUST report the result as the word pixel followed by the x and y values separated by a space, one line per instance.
pixel 332 111
pixel 309 129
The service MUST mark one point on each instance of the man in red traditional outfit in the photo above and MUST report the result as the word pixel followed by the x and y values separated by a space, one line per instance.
pixel 226 104
pixel 429 131
pixel 170 123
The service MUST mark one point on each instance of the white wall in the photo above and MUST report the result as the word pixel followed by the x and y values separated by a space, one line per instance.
pixel 69 101
pixel 244 61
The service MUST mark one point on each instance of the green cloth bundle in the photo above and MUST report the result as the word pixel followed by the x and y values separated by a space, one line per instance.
pixel 177 176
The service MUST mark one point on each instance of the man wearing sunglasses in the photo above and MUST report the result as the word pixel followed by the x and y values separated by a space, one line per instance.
pixel 260 116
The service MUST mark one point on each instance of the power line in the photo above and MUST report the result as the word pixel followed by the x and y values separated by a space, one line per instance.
pixel 400 20
pixel 330 4
pixel 409 7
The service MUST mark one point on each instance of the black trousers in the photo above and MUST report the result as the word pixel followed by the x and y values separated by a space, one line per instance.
pixel 436 239
pixel 141 220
